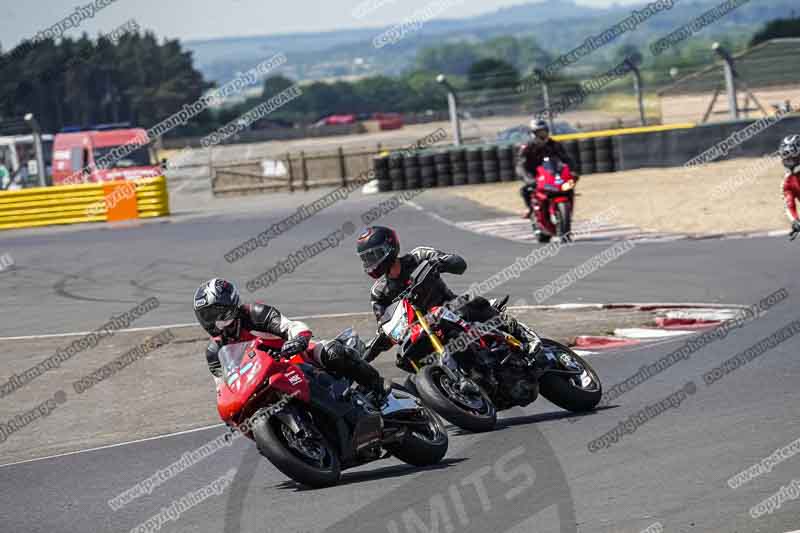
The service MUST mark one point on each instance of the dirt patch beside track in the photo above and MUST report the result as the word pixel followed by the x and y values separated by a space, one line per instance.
pixel 170 389
pixel 675 200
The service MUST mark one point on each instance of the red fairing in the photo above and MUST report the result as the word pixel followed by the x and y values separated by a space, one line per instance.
pixel 292 382
pixel 546 196
pixel 791 194
pixel 257 370
pixel 416 331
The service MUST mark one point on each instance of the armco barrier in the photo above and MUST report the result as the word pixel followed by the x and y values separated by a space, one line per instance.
pixel 676 147
pixel 74 204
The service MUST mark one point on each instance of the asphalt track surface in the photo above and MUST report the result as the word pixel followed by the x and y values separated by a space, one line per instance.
pixel 535 473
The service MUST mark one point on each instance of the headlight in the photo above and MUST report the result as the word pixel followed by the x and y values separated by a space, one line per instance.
pixel 568 185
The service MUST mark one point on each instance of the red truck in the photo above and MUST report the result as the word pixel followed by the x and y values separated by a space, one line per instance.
pixel 91 156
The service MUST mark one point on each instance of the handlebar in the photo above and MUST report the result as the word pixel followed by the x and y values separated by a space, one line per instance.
pixel 407 292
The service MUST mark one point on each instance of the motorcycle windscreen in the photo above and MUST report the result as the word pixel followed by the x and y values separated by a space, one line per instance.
pixel 242 374
pixel 350 339
pixel 552 166
pixel 230 357
pixel 394 322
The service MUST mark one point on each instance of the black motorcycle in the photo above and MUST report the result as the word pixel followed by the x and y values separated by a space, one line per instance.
pixel 467 371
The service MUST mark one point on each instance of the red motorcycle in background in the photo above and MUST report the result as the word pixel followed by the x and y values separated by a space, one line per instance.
pixel 553 200
pixel 312 425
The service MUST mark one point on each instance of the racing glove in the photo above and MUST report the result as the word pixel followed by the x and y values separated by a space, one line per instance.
pixel 294 346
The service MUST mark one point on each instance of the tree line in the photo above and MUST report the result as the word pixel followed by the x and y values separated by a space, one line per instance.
pixel 135 78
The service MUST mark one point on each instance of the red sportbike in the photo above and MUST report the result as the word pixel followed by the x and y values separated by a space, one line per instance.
pixel 312 425
pixel 553 198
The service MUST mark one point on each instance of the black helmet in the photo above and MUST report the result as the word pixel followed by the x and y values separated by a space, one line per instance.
pixel 378 247
pixel 216 304
pixel 789 151
pixel 540 130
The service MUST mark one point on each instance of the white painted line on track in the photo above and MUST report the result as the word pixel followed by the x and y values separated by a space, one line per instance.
pixel 173 326
pixel 108 446
pixel 563 306
pixel 703 314
pixel 77 333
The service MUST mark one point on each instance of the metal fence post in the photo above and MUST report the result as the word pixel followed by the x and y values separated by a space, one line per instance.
pixel 342 167
pixel 637 87
pixel 291 171
pixel 545 96
pixel 730 79
pixel 304 167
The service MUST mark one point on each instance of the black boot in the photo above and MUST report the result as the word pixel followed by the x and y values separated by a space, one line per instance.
pixel 370 379
pixel 530 341
pixel 344 362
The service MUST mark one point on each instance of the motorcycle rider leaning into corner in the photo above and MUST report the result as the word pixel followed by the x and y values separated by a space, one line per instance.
pixel 226 320
pixel 789 152
pixel 531 156
pixel 379 250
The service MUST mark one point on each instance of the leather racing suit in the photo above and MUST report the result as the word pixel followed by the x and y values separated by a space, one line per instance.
pixel 259 320
pixel 476 309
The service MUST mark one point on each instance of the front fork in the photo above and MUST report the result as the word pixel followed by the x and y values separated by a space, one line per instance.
pixel 440 349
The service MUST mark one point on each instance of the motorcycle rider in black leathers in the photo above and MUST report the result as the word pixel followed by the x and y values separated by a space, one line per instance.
pixel 531 156
pixel 226 320
pixel 378 247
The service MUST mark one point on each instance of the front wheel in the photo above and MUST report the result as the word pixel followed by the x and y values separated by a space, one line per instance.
pixel 306 456
pixel 576 393
pixel 564 218
pixel 472 411
pixel 426 442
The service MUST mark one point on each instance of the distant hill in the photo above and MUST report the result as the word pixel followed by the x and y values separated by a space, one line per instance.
pixel 558 25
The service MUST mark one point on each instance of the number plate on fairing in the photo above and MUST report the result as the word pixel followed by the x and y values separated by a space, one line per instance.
pixel 397 326
pixel 450 316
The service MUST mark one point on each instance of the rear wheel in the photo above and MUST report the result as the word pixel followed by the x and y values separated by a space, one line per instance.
pixel 579 393
pixel 472 411
pixel 426 442
pixel 307 457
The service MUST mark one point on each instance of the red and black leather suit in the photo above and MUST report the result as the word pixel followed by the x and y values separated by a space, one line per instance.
pixel 791 193
pixel 475 309
pixel 259 320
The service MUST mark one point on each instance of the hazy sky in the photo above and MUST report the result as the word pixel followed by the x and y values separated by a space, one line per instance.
pixel 198 19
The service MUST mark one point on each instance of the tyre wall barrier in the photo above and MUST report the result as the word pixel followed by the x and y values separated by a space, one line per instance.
pixel 397 174
pixel 474 166
pixel 458 162
pixel 506 159
pixel 412 172
pixel 593 152
pixel 491 167
pixel 90 202
pixel 444 169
